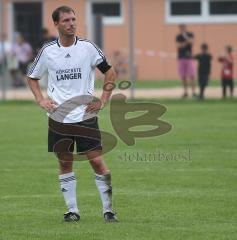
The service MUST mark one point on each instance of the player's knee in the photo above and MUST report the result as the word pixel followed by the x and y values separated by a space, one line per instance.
pixel 65 162
pixel 98 165
pixel 65 165
pixel 97 162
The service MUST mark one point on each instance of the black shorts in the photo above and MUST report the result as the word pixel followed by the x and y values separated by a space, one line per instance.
pixel 63 136
pixel 227 82
pixel 203 79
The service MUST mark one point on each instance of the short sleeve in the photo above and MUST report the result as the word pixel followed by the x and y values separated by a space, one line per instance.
pixel 97 56
pixel 98 59
pixel 38 68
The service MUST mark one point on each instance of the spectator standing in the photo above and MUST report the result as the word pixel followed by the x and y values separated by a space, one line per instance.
pixel 45 38
pixel 5 51
pixel 204 59
pixel 184 42
pixel 227 72
pixel 23 52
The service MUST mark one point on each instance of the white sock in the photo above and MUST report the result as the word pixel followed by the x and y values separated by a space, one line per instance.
pixel 68 185
pixel 103 183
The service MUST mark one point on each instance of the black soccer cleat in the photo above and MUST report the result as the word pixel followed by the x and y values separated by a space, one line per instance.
pixel 71 217
pixel 110 217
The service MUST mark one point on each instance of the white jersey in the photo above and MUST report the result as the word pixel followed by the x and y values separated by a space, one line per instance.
pixel 71 71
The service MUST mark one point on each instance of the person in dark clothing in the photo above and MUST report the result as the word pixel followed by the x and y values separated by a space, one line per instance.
pixel 45 38
pixel 204 68
pixel 184 43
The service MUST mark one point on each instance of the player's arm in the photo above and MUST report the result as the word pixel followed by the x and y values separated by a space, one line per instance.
pixel 109 80
pixel 35 72
pixel 46 104
pixel 98 60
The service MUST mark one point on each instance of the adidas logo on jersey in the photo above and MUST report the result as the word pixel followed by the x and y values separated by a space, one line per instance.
pixel 68 56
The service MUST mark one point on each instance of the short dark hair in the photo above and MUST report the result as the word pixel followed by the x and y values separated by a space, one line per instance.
pixel 61 9
pixel 204 46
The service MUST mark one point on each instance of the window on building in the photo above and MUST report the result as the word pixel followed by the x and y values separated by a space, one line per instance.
pixel 111 10
pixel 184 8
pixel 28 20
pixel 107 9
pixel 223 7
pixel 201 11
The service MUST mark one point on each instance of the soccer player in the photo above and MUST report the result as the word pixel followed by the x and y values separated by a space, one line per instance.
pixel 227 73
pixel 184 42
pixel 70 63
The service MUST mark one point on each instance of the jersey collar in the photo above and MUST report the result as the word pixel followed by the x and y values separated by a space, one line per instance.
pixel 75 41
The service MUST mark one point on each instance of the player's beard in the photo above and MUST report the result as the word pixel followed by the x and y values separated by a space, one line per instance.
pixel 71 31
pixel 67 34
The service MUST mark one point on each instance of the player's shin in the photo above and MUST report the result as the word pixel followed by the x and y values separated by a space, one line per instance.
pixel 68 187
pixel 103 183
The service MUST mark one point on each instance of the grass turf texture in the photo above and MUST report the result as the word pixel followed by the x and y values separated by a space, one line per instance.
pixel 160 84
pixel 194 199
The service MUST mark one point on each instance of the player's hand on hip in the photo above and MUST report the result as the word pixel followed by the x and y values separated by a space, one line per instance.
pixel 48 104
pixel 94 106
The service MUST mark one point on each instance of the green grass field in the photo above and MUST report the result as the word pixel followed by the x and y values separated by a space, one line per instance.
pixel 160 84
pixel 186 199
